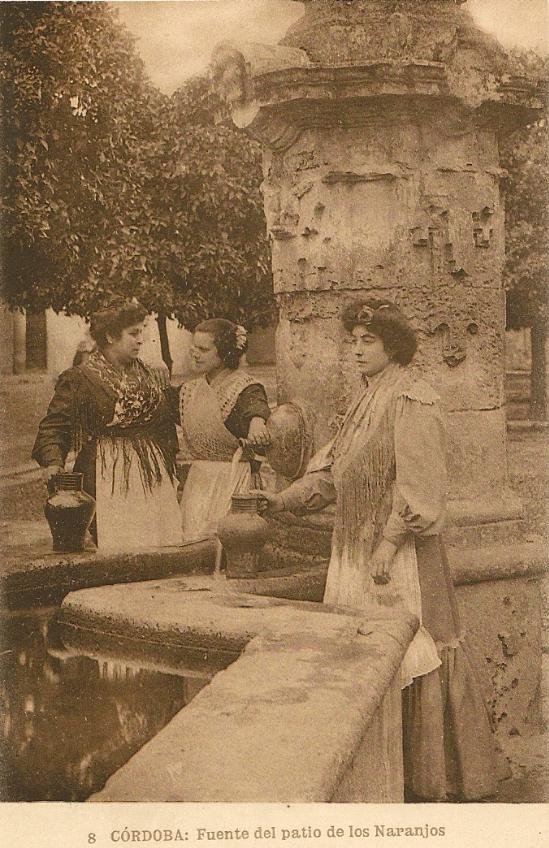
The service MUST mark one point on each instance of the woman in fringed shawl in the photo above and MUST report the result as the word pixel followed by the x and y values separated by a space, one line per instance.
pixel 385 470
pixel 117 414
pixel 220 407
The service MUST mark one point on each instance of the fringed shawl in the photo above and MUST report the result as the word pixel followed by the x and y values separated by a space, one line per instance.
pixel 364 466
pixel 128 409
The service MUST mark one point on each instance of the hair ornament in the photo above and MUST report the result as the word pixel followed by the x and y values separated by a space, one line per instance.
pixel 240 336
pixel 366 313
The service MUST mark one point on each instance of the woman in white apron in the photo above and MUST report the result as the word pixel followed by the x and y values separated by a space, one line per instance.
pixel 385 470
pixel 220 406
pixel 117 414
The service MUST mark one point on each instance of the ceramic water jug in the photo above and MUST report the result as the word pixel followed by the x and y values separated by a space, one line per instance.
pixel 243 532
pixel 69 511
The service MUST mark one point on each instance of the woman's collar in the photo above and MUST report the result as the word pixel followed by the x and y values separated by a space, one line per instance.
pixel 390 372
pixel 218 377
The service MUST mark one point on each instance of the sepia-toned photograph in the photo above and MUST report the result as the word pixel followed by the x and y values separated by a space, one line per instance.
pixel 274 419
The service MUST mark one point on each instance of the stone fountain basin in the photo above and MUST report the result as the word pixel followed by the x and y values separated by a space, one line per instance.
pixel 294 712
pixel 32 574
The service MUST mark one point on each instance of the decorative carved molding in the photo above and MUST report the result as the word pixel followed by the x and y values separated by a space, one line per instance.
pixel 432 231
pixel 454 332
pixel 482 226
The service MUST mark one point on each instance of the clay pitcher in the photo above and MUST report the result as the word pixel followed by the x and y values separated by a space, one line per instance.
pixel 69 511
pixel 243 532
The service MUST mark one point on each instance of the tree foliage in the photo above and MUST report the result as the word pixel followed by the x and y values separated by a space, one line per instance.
pixel 111 187
pixel 211 197
pixel 75 103
pixel 526 271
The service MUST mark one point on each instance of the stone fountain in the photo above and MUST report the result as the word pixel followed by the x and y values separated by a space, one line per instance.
pixel 379 122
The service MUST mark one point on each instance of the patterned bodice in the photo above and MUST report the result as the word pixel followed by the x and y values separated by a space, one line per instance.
pixel 204 408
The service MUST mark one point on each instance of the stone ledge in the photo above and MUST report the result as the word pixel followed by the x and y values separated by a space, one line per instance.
pixel 468 564
pixel 461 513
pixel 34 574
pixel 498 561
pixel 309 679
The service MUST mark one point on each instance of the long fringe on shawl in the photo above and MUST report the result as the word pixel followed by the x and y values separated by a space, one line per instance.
pixel 140 442
pixel 365 476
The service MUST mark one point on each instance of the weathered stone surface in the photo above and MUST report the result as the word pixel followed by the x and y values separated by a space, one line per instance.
pixel 405 205
pixel 380 136
pixel 310 679
pixel 498 593
pixel 476 459
pixel 502 622
pixel 31 573
pixel 376 772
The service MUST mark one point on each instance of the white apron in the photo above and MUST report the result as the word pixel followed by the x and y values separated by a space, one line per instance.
pixel 132 517
pixel 218 469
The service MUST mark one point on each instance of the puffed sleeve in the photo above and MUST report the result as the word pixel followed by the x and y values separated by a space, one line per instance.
pixel 315 490
pixel 419 502
pixel 53 440
pixel 251 403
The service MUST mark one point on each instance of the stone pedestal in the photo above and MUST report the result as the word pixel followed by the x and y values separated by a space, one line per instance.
pixel 380 124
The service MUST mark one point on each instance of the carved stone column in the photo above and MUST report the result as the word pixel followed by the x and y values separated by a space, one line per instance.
pixel 379 122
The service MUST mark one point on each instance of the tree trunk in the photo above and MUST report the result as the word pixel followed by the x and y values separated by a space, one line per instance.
pixel 538 378
pixel 164 341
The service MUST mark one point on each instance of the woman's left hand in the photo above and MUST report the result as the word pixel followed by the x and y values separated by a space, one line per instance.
pixel 380 561
pixel 258 435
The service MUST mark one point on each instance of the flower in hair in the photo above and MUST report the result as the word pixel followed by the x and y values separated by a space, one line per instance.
pixel 240 336
pixel 366 313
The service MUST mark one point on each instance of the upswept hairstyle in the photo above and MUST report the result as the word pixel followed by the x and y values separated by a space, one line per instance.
pixel 385 320
pixel 230 339
pixel 113 320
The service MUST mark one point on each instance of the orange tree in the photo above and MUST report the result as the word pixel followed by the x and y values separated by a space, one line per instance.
pixel 110 187
pixel 210 252
pixel 76 103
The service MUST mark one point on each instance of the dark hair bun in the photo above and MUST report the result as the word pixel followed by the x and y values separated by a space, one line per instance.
pixel 115 318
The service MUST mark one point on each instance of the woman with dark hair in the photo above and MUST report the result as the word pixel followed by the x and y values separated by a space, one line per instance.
pixel 385 470
pixel 218 408
pixel 115 412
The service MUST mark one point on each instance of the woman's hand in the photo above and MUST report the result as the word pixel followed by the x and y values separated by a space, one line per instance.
pixel 380 561
pixel 47 473
pixel 268 502
pixel 258 435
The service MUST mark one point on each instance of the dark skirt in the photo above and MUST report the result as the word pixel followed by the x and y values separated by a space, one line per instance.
pixel 449 746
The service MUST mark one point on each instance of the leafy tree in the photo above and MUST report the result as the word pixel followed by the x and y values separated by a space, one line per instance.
pixel 76 102
pixel 110 187
pixel 526 272
pixel 211 246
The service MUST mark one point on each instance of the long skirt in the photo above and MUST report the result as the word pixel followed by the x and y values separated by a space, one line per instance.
pixel 131 517
pixel 448 744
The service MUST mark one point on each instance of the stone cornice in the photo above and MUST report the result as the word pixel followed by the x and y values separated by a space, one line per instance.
pixel 276 93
